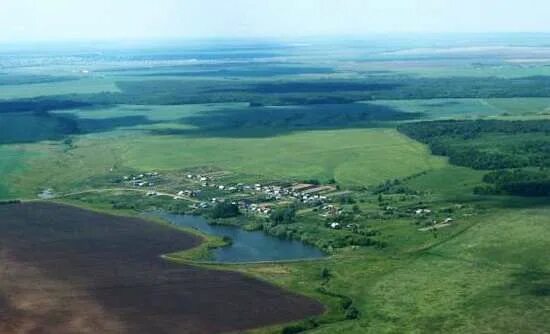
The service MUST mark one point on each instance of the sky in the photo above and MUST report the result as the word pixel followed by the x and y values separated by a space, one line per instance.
pixel 44 20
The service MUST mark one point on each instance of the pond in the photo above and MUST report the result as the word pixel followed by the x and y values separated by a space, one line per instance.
pixel 247 246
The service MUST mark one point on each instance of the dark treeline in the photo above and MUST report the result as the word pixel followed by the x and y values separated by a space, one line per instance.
pixel 518 152
pixel 472 129
pixel 516 182
pixel 41 105
pixel 291 92
pixel 469 143
pixel 298 117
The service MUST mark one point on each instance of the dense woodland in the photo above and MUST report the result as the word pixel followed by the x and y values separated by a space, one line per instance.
pixel 503 146
pixel 516 182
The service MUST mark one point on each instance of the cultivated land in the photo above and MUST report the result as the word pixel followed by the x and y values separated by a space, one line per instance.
pixel 420 168
pixel 67 270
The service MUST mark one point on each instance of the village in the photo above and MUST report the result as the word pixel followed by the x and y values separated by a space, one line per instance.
pixel 204 190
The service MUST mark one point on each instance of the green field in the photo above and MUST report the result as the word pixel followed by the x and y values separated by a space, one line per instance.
pixel 82 86
pixel 507 108
pixel 352 157
pixel 488 276
pixel 12 163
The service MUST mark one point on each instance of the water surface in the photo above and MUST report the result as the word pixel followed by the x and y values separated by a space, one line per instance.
pixel 247 246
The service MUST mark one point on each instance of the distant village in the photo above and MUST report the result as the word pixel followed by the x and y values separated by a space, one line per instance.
pixel 205 190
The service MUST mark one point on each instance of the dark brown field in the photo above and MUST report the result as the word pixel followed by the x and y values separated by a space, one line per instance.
pixel 68 270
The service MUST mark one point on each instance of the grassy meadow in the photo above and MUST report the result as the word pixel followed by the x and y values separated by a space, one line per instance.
pixel 486 277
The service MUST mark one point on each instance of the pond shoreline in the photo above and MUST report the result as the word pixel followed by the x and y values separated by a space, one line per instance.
pixel 246 247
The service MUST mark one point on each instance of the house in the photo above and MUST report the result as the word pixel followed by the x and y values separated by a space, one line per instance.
pixel 302 187
pixel 335 226
pixel 422 211
pixel 318 189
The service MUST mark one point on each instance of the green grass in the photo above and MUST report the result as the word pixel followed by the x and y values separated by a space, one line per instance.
pixel 486 276
pixel 13 161
pixel 352 157
pixel 83 86
pixel 502 108
pixel 153 113
pixel 448 182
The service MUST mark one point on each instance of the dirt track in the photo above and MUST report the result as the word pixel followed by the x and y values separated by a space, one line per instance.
pixel 68 270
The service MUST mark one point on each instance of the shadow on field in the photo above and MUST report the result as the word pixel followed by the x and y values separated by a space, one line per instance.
pixel 273 121
pixel 17 128
pixel 533 281
pixel 42 105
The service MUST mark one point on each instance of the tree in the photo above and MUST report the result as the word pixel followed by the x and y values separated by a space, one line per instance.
pixel 225 210
pixel 284 215
pixel 325 273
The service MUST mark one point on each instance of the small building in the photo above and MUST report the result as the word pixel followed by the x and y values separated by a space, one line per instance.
pixel 422 211
pixel 334 226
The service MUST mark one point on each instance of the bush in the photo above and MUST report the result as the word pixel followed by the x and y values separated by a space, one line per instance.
pixel 352 313
pixel 15 201
pixel 325 273
pixel 293 329
pixel 313 181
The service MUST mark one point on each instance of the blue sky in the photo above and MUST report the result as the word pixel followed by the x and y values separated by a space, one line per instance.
pixel 23 20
